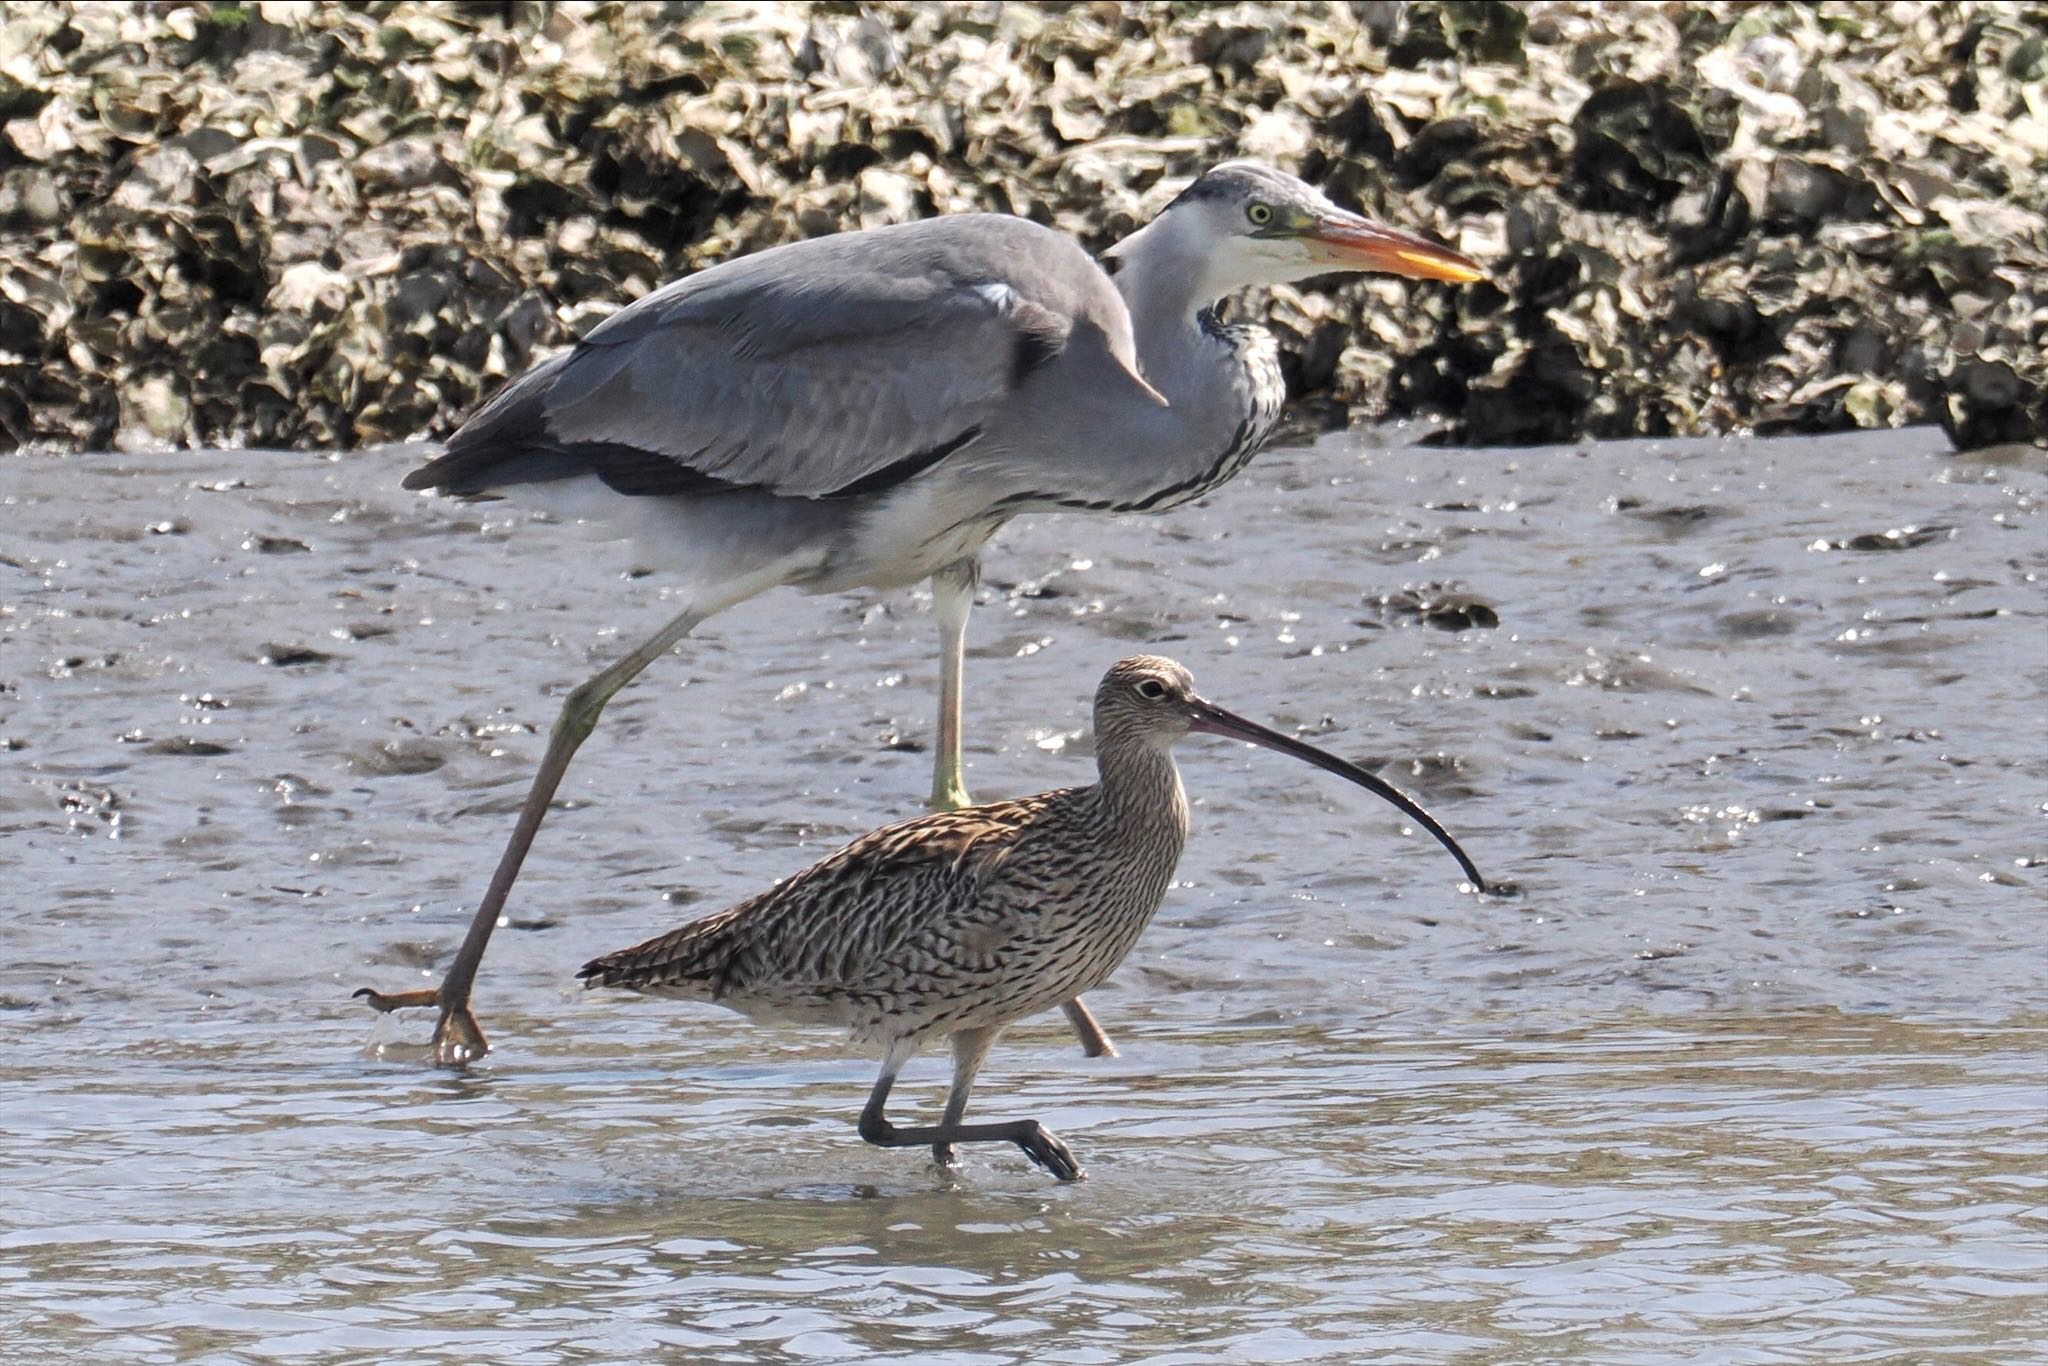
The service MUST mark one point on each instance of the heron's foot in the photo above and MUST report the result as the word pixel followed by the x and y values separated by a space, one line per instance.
pixel 398 1000
pixel 458 1038
pixel 1048 1152
pixel 949 793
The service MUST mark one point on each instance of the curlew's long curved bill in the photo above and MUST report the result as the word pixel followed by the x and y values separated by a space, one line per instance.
pixel 1210 719
pixel 1356 243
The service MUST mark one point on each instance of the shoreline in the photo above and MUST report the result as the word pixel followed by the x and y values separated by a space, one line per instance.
pixel 275 225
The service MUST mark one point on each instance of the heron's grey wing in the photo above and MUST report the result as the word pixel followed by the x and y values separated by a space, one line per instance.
pixel 827 368
pixel 808 387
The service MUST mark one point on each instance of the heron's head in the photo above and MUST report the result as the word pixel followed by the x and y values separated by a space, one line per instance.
pixel 1242 224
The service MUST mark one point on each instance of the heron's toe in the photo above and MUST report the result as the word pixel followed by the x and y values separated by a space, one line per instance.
pixel 398 1000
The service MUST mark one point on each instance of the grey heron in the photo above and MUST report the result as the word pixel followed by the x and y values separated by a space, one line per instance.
pixel 868 409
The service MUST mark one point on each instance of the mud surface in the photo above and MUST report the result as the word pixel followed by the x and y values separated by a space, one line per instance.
pixel 1752 1067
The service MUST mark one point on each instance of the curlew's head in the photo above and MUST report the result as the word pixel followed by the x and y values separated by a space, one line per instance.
pixel 1150 701
pixel 1146 698
pixel 1242 224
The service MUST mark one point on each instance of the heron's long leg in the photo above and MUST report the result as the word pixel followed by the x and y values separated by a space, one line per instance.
pixel 457 1037
pixel 952 600
pixel 969 1048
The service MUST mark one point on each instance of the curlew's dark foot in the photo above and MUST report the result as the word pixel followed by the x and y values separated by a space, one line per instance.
pixel 1048 1152
pixel 1040 1146
pixel 458 1038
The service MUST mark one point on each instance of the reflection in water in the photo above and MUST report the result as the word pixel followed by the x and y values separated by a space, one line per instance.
pixel 1745 1073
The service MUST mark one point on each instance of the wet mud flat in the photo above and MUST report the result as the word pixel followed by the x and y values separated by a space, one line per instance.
pixel 1752 1064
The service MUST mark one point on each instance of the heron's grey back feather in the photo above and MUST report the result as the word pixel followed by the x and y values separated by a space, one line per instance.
pixel 834 366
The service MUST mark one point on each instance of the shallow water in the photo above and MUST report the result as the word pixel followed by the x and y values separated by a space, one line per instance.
pixel 1751 1070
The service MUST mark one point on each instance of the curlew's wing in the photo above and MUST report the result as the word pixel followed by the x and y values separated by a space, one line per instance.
pixel 918 892
pixel 832 367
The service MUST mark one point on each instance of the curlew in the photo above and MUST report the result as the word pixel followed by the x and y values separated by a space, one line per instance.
pixel 952 925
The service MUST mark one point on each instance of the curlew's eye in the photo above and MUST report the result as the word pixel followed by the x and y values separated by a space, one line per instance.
pixel 1260 213
pixel 1151 689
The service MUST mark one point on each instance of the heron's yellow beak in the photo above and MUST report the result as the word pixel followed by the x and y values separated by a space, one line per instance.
pixel 1353 243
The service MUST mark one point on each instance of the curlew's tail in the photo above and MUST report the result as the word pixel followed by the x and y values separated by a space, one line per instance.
pixel 694 961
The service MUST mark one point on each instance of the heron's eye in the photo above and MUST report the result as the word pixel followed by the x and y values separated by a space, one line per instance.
pixel 1260 214
pixel 1152 689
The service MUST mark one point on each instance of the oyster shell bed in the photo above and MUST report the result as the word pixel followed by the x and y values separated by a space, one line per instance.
pixel 289 224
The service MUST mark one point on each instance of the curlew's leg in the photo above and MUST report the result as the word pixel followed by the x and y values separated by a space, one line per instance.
pixel 457 1037
pixel 1094 1042
pixel 969 1048
pixel 952 600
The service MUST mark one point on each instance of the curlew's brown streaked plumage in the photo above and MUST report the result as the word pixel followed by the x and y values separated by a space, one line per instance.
pixel 953 925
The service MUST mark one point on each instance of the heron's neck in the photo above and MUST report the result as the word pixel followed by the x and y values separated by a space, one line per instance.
pixel 1177 355
pixel 1222 383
